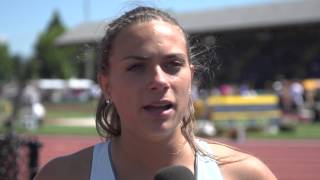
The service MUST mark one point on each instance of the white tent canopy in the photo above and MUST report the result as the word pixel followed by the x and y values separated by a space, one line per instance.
pixel 56 84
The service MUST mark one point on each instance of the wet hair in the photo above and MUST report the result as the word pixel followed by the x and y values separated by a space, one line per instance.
pixel 107 119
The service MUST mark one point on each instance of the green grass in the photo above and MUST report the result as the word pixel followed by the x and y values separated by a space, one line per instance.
pixel 70 110
pixel 67 114
pixel 302 131
pixel 57 130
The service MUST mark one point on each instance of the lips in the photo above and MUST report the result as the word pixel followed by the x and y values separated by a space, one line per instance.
pixel 155 107
pixel 159 108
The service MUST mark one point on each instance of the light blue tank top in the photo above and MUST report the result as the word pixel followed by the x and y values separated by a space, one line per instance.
pixel 102 168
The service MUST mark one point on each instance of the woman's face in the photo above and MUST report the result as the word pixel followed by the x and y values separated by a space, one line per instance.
pixel 149 80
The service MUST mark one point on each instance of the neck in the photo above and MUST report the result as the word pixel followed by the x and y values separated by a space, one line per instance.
pixel 132 154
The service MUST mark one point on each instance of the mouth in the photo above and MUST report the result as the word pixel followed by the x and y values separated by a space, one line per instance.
pixel 160 108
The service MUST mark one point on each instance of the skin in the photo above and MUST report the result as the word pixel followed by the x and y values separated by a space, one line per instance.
pixel 149 68
pixel 158 73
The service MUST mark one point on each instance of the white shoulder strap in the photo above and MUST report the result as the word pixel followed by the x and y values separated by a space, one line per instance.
pixel 206 167
pixel 101 168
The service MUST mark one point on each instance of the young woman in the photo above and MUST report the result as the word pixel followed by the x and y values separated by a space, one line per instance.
pixel 146 112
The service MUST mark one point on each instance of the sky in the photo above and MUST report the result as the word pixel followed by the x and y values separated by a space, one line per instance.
pixel 21 21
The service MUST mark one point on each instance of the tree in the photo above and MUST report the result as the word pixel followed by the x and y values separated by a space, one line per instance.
pixel 51 61
pixel 6 67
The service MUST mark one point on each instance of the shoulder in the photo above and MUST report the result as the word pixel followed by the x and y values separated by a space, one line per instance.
pixel 235 164
pixel 73 166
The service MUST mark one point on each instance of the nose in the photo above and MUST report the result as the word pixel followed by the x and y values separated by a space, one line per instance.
pixel 158 80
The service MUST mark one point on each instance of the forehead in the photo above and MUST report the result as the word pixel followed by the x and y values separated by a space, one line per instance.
pixel 157 26
pixel 148 35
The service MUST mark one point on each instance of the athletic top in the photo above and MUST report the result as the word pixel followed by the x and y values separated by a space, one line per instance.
pixel 102 167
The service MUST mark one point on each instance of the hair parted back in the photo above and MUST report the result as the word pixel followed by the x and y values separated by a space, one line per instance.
pixel 107 119
pixel 138 15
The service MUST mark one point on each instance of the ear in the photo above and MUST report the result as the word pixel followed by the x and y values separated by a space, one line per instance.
pixel 103 80
pixel 192 69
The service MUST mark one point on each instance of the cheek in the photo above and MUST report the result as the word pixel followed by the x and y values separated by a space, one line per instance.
pixel 124 94
pixel 124 104
pixel 183 91
pixel 121 84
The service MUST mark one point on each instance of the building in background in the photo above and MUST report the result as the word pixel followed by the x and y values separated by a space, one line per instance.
pixel 256 44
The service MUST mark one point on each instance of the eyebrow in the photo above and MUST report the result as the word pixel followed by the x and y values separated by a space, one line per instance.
pixel 143 58
pixel 179 55
pixel 136 57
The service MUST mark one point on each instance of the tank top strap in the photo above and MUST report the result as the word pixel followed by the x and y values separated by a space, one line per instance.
pixel 206 167
pixel 101 166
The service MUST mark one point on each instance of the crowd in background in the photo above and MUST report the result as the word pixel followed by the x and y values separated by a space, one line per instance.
pixel 295 99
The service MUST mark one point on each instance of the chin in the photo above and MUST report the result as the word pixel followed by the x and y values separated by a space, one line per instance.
pixel 163 133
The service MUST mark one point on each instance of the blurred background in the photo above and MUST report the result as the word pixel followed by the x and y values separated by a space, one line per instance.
pixel 264 97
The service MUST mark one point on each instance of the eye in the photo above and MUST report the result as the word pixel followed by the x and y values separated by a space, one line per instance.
pixel 173 66
pixel 135 67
